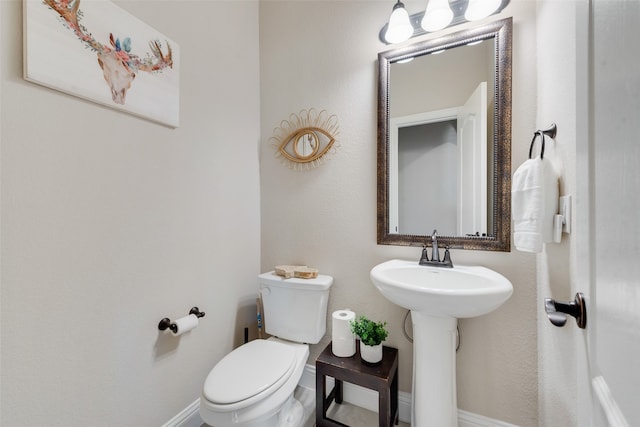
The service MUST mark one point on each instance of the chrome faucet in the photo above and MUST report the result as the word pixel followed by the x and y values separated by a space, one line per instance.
pixel 435 254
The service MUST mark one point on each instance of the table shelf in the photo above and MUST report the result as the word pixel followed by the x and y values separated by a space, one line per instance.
pixel 382 378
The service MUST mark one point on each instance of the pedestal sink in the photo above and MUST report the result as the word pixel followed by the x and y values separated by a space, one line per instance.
pixel 437 297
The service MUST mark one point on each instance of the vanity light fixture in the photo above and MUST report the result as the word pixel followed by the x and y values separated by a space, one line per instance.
pixel 478 9
pixel 399 28
pixel 439 14
pixel 406 60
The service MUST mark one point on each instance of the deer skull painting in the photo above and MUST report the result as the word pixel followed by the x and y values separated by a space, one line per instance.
pixel 119 65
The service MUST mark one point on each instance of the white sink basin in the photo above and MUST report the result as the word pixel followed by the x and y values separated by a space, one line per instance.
pixel 461 291
pixel 437 297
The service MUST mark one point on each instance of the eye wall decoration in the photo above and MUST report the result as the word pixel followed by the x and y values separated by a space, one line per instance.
pixel 305 140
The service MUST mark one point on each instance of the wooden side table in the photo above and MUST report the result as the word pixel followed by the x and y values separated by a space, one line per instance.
pixel 383 378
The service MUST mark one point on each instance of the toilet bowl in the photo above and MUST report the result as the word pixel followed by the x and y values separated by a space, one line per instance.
pixel 253 386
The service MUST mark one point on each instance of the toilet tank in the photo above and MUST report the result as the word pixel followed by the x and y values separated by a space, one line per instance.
pixel 295 309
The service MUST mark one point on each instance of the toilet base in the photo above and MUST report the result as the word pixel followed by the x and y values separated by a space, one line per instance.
pixel 306 399
pixel 278 409
pixel 291 414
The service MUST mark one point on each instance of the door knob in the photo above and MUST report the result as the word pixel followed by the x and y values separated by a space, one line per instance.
pixel 557 311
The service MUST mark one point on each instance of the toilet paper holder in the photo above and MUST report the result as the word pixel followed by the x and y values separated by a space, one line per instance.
pixel 166 323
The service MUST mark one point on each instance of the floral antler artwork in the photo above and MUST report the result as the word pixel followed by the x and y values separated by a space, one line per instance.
pixel 118 64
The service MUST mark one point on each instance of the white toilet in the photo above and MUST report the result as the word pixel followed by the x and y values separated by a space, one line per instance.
pixel 253 385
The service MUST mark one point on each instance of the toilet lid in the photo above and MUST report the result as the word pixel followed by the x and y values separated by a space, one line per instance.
pixel 249 370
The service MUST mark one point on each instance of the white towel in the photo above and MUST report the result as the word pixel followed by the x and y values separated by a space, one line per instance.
pixel 534 200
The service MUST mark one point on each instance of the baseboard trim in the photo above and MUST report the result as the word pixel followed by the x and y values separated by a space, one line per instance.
pixel 469 419
pixel 353 394
pixel 368 399
pixel 188 417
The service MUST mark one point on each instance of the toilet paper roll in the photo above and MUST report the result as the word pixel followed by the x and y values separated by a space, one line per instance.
pixel 185 324
pixel 343 341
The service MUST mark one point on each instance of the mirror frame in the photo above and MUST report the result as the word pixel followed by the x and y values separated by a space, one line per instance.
pixel 500 238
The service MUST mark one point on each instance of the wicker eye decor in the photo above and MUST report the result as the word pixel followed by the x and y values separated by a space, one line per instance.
pixel 305 140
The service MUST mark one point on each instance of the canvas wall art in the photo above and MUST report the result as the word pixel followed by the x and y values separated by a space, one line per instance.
pixel 96 50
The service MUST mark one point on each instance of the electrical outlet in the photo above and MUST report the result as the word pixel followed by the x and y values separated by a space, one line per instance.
pixel 565 211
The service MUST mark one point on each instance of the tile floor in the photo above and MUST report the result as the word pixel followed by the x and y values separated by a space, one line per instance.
pixel 355 416
pixel 352 415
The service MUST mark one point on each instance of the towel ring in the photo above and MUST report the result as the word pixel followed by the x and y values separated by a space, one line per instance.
pixel 535 135
pixel 550 132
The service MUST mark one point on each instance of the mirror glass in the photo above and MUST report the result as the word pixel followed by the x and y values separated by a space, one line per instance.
pixel 444 140
pixel 306 145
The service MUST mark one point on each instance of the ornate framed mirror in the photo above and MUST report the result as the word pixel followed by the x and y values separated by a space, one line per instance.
pixel 444 140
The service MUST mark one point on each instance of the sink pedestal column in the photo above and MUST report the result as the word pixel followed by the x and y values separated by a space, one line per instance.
pixel 434 371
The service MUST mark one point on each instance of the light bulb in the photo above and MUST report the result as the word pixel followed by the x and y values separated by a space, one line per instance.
pixel 399 28
pixel 479 9
pixel 437 16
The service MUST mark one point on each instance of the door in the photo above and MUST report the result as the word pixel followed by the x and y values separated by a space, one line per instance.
pixel 611 184
pixel 472 157
pixel 419 155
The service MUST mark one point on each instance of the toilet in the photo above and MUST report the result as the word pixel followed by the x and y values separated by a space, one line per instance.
pixel 253 385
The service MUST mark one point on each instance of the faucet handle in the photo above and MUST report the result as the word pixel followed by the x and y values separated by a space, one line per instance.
pixel 447 257
pixel 424 257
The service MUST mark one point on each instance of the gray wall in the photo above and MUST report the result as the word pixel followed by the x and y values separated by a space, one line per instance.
pixel 111 222
pixel 326 217
pixel 453 75
pixel 562 93
pixel 428 178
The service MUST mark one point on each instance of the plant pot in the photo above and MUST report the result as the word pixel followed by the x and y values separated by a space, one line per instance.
pixel 371 354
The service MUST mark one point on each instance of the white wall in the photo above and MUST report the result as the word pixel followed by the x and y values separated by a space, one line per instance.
pixel 111 222
pixel 462 69
pixel 559 81
pixel 323 55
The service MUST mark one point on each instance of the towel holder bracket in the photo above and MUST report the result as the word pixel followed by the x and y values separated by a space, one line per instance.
pixel 551 132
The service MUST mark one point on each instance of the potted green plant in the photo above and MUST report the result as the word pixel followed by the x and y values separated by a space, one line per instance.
pixel 371 335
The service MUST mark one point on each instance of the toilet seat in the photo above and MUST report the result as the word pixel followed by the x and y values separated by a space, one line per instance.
pixel 263 366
